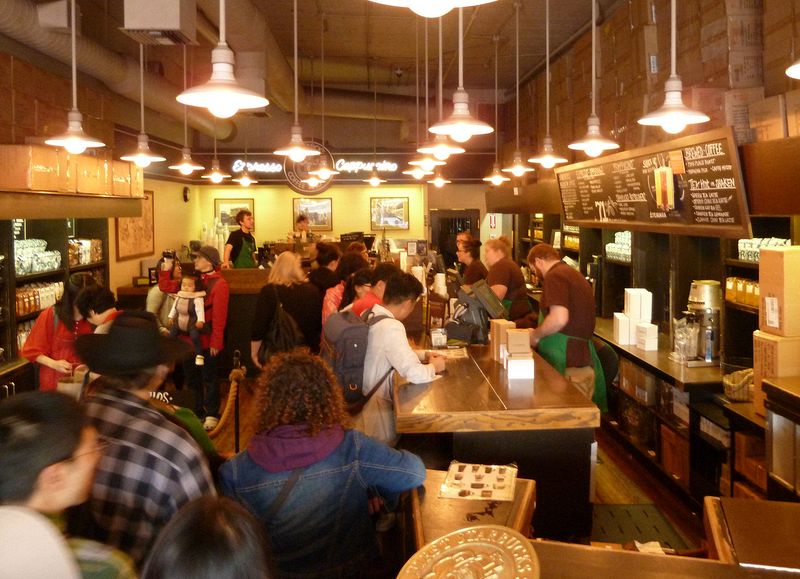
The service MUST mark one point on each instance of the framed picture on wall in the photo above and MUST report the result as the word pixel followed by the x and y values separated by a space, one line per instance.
pixel 225 210
pixel 136 235
pixel 318 210
pixel 388 213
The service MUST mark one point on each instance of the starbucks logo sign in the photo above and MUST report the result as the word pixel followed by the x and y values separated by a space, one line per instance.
pixel 297 173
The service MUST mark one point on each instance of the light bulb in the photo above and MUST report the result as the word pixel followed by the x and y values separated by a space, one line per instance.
pixel 417 173
pixel 297 155
pixel 223 109
pixel 673 125
pixel 461 135
pixel 216 177
pixel 374 181
pixel 497 180
pixel 431 8
pixel 441 153
pixel 427 164
pixel 142 161
pixel 547 163
pixel 593 150
pixel 518 170
pixel 245 181
pixel 186 169
pixel 324 174
pixel 75 147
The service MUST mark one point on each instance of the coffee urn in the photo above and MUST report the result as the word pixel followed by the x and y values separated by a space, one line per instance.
pixel 705 298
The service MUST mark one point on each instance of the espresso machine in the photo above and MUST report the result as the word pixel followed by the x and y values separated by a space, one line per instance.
pixel 702 318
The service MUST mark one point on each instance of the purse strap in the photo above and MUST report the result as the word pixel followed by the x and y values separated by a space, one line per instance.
pixel 284 494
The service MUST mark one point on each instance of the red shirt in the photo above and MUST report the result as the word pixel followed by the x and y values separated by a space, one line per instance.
pixel 55 341
pixel 364 303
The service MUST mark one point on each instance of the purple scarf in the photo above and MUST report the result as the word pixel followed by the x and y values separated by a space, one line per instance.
pixel 289 446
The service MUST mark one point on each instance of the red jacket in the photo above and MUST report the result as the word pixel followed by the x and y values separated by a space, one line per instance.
pixel 216 302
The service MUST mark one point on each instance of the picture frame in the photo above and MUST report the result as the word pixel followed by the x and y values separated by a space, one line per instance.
pixel 388 213
pixel 152 275
pixel 225 210
pixel 136 235
pixel 319 211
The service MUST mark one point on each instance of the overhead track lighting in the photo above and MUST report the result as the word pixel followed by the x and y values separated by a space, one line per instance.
pixel 187 165
pixel 74 140
pixel 432 8
pixel 518 167
pixel 496 177
pixel 461 126
pixel 142 156
pixel 594 143
pixel 547 158
pixel 673 116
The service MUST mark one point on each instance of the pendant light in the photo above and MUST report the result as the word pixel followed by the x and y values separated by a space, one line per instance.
pixel 438 181
pixel 415 172
pixel 296 150
pixel 142 156
pixel 323 171
pixel 216 176
pixel 432 8
pixel 673 116
pixel 187 166
pixel 440 147
pixel 594 143
pixel 496 178
pixel 222 95
pixel 794 70
pixel 461 126
pixel 425 162
pixel 374 179
pixel 547 158
pixel 244 179
pixel 74 140
pixel 518 167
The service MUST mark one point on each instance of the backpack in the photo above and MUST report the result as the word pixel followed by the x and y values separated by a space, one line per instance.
pixel 347 335
pixel 283 334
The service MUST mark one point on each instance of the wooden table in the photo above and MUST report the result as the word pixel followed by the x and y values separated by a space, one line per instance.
pixel 433 516
pixel 544 425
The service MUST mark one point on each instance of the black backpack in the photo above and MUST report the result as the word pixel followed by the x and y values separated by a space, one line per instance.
pixel 283 334
pixel 347 335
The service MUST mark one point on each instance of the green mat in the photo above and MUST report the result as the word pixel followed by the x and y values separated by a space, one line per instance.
pixel 626 523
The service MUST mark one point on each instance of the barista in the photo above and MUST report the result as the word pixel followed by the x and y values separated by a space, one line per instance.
pixel 566 323
pixel 301 231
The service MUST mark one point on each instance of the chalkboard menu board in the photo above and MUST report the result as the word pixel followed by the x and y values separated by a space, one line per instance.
pixel 689 186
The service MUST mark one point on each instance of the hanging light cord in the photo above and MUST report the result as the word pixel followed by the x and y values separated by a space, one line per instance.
pixel 547 60
pixel 74 61
pixel 222 22
pixel 296 100
pixel 674 36
pixel 322 78
pixel 416 71
pixel 185 108
pixel 594 56
pixel 496 39
pixel 516 5
pixel 441 67
pixel 461 48
pixel 141 83
pixel 427 82
pixel 215 136
pixel 374 118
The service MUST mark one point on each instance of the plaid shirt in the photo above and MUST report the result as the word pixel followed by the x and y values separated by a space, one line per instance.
pixel 149 470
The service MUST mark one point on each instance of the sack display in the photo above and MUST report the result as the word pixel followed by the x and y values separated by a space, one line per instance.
pixel 283 334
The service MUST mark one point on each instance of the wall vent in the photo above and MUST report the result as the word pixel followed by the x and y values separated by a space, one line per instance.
pixel 159 22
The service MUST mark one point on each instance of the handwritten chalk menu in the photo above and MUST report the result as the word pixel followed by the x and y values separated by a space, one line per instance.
pixel 690 186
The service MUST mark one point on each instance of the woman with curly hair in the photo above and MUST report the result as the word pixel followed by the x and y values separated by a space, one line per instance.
pixel 309 479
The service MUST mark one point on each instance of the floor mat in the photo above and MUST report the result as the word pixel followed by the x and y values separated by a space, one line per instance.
pixel 626 523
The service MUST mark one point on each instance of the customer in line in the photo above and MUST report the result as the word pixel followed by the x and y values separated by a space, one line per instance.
pixel 387 348
pixel 159 302
pixel 357 286
pixel 506 279
pixel 324 275
pixel 469 254
pixel 48 457
pixel 348 265
pixel 380 276
pixel 299 298
pixel 563 336
pixel 210 538
pixel 151 467
pixel 308 477
pixel 51 343
pixel 98 305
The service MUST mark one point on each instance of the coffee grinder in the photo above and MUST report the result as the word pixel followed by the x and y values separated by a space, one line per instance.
pixel 702 317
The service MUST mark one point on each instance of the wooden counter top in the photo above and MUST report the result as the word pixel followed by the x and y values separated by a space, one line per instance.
pixel 434 516
pixel 474 395
pixel 787 388
pixel 658 360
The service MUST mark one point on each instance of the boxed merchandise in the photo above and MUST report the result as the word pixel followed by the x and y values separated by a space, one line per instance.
pixel 638 304
pixel 520 366
pixel 779 308
pixel 773 357
pixel 768 118
pixel 497 336
pixel 647 344
pixel 622 329
pixel 518 341
pixel 792 100
pixel 33 167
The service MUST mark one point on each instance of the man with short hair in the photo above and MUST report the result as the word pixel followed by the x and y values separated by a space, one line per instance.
pixel 387 348
pixel 48 457
pixel 563 336
pixel 240 249
pixel 380 277
pixel 324 276
pixel 152 467
pixel 98 305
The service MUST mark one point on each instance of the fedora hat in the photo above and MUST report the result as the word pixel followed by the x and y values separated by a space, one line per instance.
pixel 132 343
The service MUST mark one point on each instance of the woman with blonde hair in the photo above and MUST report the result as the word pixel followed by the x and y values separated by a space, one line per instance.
pixel 506 279
pixel 300 299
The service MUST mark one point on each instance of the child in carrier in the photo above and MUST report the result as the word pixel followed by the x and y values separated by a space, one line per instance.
pixel 189 309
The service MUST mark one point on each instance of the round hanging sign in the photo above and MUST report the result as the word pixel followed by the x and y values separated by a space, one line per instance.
pixel 297 172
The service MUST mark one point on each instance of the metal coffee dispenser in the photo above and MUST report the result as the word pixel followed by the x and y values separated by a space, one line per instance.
pixel 702 318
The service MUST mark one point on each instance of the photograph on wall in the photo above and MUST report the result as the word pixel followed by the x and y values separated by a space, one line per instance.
pixel 225 210
pixel 318 211
pixel 388 213
pixel 135 235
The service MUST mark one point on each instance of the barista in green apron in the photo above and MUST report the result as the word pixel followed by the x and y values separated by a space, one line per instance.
pixel 240 248
pixel 563 336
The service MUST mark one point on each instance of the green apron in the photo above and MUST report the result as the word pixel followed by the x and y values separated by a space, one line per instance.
pixel 553 348
pixel 245 257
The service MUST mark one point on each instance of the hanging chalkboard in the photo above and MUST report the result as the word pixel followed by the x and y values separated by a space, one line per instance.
pixel 690 186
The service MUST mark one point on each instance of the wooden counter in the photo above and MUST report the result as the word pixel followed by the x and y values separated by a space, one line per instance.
pixel 434 516
pixel 545 426
pixel 658 361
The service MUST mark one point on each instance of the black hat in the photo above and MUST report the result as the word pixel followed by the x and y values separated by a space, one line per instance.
pixel 210 253
pixel 133 343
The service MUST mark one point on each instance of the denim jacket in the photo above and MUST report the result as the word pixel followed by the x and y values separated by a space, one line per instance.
pixel 323 529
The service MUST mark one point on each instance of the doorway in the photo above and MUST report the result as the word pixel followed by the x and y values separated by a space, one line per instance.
pixel 446 223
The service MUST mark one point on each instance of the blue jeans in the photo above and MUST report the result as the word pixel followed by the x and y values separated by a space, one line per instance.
pixel 203 380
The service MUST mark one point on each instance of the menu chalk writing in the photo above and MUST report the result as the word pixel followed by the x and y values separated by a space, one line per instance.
pixel 690 186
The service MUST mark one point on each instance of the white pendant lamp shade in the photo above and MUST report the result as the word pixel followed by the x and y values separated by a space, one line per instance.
pixel 426 163
pixel 313 181
pixel 374 179
pixel 593 143
pixel 324 171
pixel 216 176
pixel 438 181
pixel 440 148
pixel 496 178
pixel 547 158
pixel 794 70
pixel 187 165
pixel 417 173
pixel 297 150
pixel 143 156
pixel 74 140
pixel 431 8
pixel 461 126
pixel 245 180
pixel 518 168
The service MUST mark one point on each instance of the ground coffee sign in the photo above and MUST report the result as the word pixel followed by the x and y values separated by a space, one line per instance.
pixel 690 186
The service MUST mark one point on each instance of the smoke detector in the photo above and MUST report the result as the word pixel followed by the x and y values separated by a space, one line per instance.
pixel 158 22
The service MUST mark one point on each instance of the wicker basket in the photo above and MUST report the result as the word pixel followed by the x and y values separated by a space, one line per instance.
pixel 739 385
